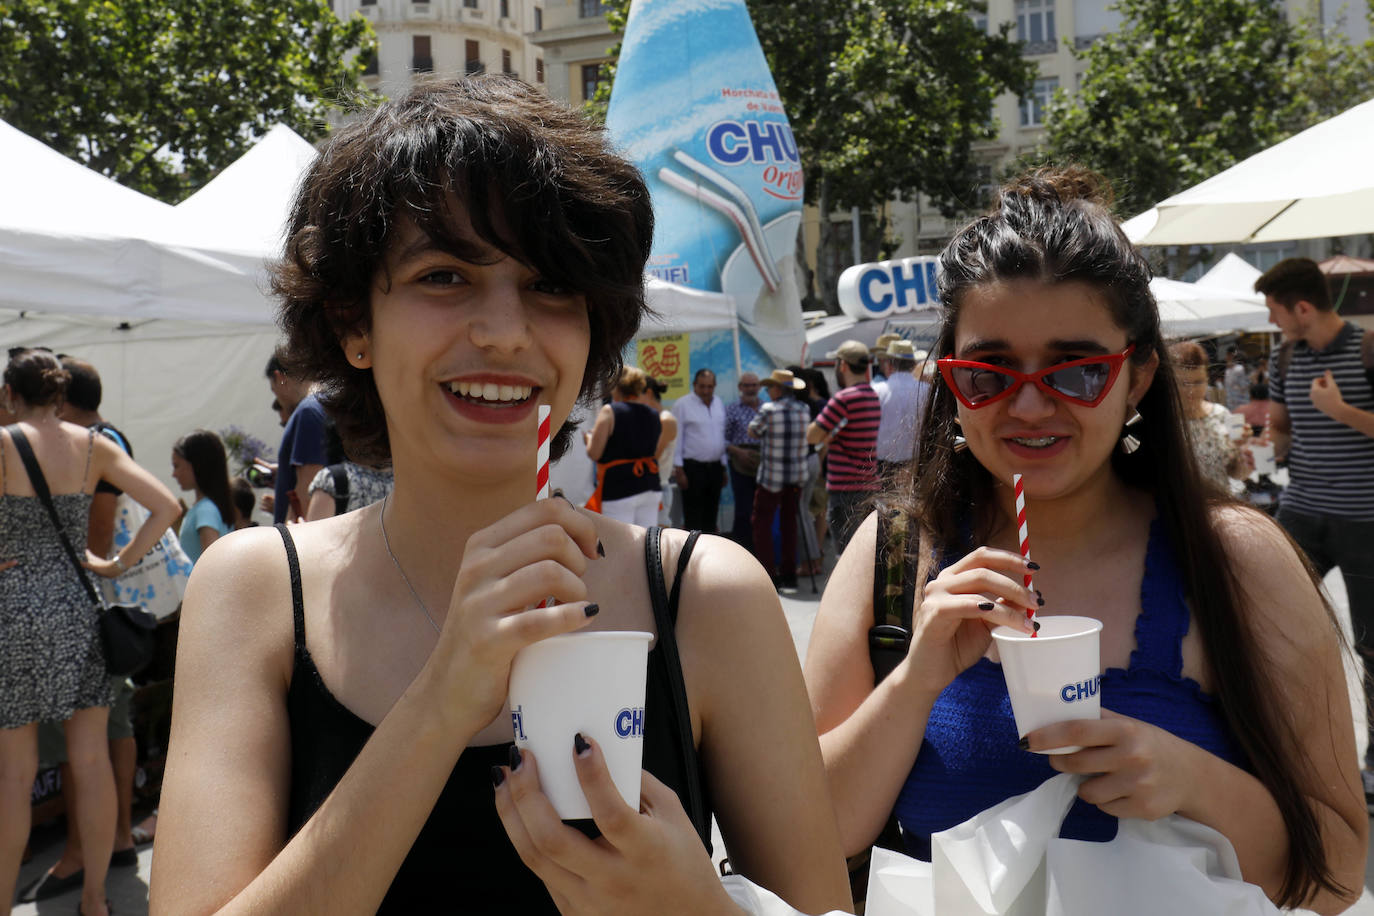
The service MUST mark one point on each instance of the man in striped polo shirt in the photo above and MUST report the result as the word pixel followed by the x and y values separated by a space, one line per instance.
pixel 1322 417
pixel 849 423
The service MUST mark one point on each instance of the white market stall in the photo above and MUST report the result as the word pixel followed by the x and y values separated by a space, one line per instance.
pixel 179 331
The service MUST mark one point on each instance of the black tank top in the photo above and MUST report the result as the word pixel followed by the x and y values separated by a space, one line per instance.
pixel 637 427
pixel 462 860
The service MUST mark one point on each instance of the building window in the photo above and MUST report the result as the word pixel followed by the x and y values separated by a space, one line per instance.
pixel 1034 105
pixel 370 63
pixel 539 19
pixel 505 9
pixel 422 61
pixel 470 4
pixel 472 58
pixel 589 8
pixel 367 2
pixel 591 75
pixel 980 22
pixel 539 70
pixel 505 61
pixel 1035 21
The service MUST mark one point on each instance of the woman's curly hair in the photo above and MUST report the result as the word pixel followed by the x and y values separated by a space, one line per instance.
pixel 538 183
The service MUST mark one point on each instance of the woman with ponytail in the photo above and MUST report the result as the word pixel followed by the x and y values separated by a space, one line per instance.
pixel 200 464
pixel 1222 689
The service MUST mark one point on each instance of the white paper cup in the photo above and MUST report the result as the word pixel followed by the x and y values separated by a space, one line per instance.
pixel 1053 677
pixel 591 683
pixel 1263 453
pixel 1235 425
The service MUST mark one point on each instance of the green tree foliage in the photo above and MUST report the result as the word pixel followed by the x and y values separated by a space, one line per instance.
pixel 1188 88
pixel 162 94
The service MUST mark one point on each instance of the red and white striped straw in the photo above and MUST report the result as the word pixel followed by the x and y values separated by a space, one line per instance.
pixel 541 472
pixel 1023 532
pixel 541 461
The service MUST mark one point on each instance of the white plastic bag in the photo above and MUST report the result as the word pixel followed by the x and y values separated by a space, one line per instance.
pixel 158 580
pixel 1009 861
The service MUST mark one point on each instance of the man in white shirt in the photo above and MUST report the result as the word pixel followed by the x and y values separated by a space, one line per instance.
pixel 699 468
pixel 902 397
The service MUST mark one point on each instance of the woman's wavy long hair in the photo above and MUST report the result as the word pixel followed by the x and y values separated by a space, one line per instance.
pixel 1055 226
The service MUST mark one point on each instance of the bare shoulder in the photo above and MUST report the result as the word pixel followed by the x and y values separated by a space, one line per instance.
pixel 725 587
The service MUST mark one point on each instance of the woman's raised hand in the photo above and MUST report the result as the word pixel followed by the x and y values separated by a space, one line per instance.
pixel 508 568
pixel 1135 769
pixel 952 626
pixel 645 861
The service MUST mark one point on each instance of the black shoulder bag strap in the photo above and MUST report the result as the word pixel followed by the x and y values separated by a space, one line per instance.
pixel 340 476
pixel 665 619
pixel 40 488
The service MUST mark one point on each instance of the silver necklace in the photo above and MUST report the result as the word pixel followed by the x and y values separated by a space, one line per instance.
pixel 404 578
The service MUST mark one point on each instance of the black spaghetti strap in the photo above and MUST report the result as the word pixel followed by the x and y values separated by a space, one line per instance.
pixel 297 595
pixel 665 620
pixel 682 559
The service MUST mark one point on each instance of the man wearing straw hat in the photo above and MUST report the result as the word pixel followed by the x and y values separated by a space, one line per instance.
pixel 878 354
pixel 902 397
pixel 780 427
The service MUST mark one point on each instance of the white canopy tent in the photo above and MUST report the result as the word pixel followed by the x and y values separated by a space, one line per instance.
pixel 1232 272
pixel 179 330
pixel 1193 310
pixel 1315 184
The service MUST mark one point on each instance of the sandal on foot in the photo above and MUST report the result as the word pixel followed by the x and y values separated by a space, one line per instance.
pixel 141 836
pixel 49 885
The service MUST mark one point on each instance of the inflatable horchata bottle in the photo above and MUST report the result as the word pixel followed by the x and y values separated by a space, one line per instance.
pixel 695 107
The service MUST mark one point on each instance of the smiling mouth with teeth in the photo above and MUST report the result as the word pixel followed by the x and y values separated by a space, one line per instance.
pixel 1040 442
pixel 490 393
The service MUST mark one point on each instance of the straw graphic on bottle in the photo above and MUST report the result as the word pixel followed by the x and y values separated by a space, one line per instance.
pixel 1023 532
pixel 739 210
pixel 541 472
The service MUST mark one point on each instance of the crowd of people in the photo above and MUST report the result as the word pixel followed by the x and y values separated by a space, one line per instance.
pixel 343 674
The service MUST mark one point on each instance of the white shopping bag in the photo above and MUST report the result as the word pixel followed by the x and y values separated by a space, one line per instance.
pixel 1009 861
pixel 157 581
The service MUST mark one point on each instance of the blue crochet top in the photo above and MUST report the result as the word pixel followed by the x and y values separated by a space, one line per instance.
pixel 969 759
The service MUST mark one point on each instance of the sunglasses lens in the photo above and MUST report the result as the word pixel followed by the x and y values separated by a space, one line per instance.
pixel 978 385
pixel 1082 383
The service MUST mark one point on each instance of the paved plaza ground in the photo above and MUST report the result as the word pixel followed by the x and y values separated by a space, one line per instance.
pixel 128 888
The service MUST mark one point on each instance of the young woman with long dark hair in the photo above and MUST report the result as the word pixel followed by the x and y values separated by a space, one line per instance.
pixel 200 464
pixel 1222 686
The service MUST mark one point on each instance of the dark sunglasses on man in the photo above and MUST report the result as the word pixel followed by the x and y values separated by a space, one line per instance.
pixel 1081 381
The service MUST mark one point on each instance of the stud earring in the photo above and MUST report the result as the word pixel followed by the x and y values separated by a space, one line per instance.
pixel 1129 443
pixel 359 356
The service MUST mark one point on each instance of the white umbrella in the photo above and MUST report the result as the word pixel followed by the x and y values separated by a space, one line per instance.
pixel 1315 184
pixel 1192 310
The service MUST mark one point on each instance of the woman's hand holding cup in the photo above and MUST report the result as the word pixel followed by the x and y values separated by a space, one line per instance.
pixel 952 626
pixel 507 569
pixel 645 861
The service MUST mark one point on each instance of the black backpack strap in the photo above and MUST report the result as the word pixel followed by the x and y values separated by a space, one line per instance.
pixel 340 476
pixel 40 488
pixel 1367 356
pixel 665 620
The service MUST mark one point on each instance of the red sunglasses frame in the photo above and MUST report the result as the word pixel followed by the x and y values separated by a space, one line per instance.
pixel 948 364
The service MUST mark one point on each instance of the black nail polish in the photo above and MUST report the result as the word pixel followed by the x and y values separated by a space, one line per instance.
pixel 986 606
pixel 600 550
pixel 1024 744
pixel 580 744
pixel 1039 601
pixel 515 758
pixel 498 776
pixel 1036 624
pixel 1032 565
pixel 592 610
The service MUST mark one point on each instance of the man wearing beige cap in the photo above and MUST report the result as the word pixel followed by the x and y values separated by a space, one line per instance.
pixel 902 397
pixel 849 423
pixel 780 427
